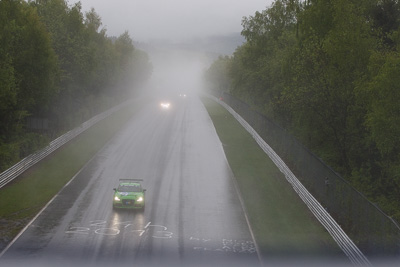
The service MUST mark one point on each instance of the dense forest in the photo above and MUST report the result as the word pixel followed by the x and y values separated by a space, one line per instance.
pixel 57 69
pixel 328 71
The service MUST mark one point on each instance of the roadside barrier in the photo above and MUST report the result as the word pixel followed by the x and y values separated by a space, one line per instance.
pixel 16 170
pixel 370 229
pixel 337 233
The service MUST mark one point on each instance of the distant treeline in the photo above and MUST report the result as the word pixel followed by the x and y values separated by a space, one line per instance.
pixel 57 69
pixel 329 72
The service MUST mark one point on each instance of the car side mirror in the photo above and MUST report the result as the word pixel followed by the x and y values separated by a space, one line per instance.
pixel 115 189
pixel 144 190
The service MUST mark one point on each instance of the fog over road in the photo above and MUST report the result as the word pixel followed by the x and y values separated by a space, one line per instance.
pixel 193 214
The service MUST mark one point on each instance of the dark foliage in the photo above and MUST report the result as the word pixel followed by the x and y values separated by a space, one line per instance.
pixel 57 65
pixel 328 71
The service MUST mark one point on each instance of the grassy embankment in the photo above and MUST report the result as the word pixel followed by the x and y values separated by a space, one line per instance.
pixel 282 224
pixel 23 198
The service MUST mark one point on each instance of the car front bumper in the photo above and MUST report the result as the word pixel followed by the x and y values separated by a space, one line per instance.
pixel 128 204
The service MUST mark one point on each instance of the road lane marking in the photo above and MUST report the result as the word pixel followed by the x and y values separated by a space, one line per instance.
pixel 157 231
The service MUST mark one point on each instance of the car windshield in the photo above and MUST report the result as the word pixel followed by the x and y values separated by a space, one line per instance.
pixel 130 188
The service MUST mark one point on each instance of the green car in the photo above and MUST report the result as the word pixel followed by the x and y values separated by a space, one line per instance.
pixel 129 194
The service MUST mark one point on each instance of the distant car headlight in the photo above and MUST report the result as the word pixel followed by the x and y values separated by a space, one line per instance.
pixel 165 105
pixel 140 199
pixel 116 198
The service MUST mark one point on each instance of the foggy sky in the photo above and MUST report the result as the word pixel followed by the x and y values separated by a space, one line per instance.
pixel 173 20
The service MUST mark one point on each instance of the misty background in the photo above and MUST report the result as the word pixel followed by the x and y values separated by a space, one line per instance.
pixel 175 21
pixel 182 38
pixel 86 56
pixel 332 80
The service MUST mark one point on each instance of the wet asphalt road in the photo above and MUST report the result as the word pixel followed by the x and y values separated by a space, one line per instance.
pixel 193 214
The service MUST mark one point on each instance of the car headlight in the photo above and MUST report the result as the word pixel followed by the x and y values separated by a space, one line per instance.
pixel 165 105
pixel 140 199
pixel 116 198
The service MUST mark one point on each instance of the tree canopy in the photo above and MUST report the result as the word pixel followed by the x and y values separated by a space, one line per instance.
pixel 328 72
pixel 58 65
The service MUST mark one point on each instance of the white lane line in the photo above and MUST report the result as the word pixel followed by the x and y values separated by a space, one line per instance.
pixel 147 225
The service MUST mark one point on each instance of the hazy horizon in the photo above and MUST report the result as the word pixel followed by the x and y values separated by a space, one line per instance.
pixel 174 20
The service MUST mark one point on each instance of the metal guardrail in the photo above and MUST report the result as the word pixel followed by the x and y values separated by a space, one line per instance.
pixel 342 239
pixel 16 170
pixel 375 234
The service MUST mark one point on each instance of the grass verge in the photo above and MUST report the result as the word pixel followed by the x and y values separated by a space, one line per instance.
pixel 23 198
pixel 282 224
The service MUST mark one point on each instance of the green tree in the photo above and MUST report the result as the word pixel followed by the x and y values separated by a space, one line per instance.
pixel 58 64
pixel 218 74
pixel 28 76
pixel 382 95
pixel 8 83
pixel 328 64
pixel 259 66
pixel 134 65
pixel 124 47
pixel 328 72
pixel 385 16
pixel 141 67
